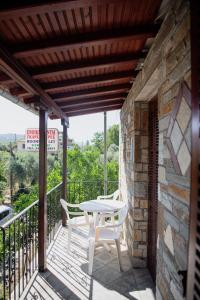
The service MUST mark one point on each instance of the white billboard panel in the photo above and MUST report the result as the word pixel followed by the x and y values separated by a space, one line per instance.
pixel 32 139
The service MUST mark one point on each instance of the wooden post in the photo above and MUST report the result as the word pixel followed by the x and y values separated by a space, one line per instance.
pixel 64 170
pixel 105 155
pixel 42 214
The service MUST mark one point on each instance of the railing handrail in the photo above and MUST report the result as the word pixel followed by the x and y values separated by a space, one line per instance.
pixel 18 215
pixel 100 180
pixel 9 222
pixel 55 187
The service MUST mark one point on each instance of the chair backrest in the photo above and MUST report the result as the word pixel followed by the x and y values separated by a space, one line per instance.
pixel 123 214
pixel 116 195
pixel 64 206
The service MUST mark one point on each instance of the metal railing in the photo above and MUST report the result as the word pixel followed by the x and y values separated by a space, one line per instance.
pixel 19 236
pixel 19 245
pixel 53 212
pixel 79 191
pixel 18 242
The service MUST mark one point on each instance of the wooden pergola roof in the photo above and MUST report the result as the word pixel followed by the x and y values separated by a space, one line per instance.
pixel 74 56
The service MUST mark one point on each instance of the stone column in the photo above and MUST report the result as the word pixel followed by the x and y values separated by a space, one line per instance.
pixel 134 178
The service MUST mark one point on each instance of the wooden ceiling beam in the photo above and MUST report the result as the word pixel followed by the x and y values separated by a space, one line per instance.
pixel 5 80
pixel 19 92
pixel 105 98
pixel 60 97
pixel 89 111
pixel 84 81
pixel 94 110
pixel 85 65
pixel 13 69
pixel 23 8
pixel 92 106
pixel 85 40
pixel 65 97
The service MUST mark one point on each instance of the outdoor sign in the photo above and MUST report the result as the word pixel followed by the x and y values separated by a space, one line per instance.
pixel 32 139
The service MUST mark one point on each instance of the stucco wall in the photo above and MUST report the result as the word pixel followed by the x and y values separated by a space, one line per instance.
pixel 166 75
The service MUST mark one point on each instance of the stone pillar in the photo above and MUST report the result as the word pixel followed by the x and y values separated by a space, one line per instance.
pixel 134 178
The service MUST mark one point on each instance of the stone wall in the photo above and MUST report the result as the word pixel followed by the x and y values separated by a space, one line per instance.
pixel 166 75
pixel 134 177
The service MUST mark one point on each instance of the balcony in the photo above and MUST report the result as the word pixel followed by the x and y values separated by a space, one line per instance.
pixel 66 276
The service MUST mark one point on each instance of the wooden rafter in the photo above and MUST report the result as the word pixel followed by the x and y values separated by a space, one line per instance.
pixel 89 111
pixel 100 99
pixel 15 70
pixel 5 80
pixel 87 93
pixel 86 40
pixel 84 81
pixel 93 64
pixel 92 106
pixel 19 92
pixel 20 8
pixel 79 82
pixel 94 110
pixel 124 87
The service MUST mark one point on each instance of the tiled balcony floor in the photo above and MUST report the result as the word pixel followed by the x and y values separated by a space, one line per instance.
pixel 67 276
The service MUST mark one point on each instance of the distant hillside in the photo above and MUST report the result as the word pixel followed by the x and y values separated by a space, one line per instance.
pixel 10 137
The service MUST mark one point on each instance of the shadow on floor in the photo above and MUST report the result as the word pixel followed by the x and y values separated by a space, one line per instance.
pixel 67 277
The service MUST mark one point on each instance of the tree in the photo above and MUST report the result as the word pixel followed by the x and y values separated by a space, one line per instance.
pixel 113 135
pixel 3 171
pixel 97 141
pixel 112 138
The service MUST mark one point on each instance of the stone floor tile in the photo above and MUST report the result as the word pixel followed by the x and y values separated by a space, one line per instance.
pixel 106 274
pixel 67 276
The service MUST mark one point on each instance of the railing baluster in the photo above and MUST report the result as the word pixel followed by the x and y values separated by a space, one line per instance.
pixel 19 258
pixel 50 218
pixel 9 263
pixel 23 269
pixel 30 242
pixel 4 263
pixel 20 234
pixel 27 254
pixel 14 269
pixel 32 237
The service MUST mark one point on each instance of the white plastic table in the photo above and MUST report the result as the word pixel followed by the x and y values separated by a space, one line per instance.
pixel 98 207
pixel 101 206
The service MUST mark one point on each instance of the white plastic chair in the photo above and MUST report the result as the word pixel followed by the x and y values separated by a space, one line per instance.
pixel 114 196
pixel 80 219
pixel 107 233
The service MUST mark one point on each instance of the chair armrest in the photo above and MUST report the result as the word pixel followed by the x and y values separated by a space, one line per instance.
pixel 76 213
pixel 105 197
pixel 72 205
pixel 106 226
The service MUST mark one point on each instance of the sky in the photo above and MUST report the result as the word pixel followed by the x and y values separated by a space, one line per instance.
pixel 15 119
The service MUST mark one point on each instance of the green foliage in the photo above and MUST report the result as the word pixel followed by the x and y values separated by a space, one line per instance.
pixel 112 138
pixel 97 141
pixel 113 135
pixel 84 164
pixel 3 172
pixel 54 176
pixel 25 200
